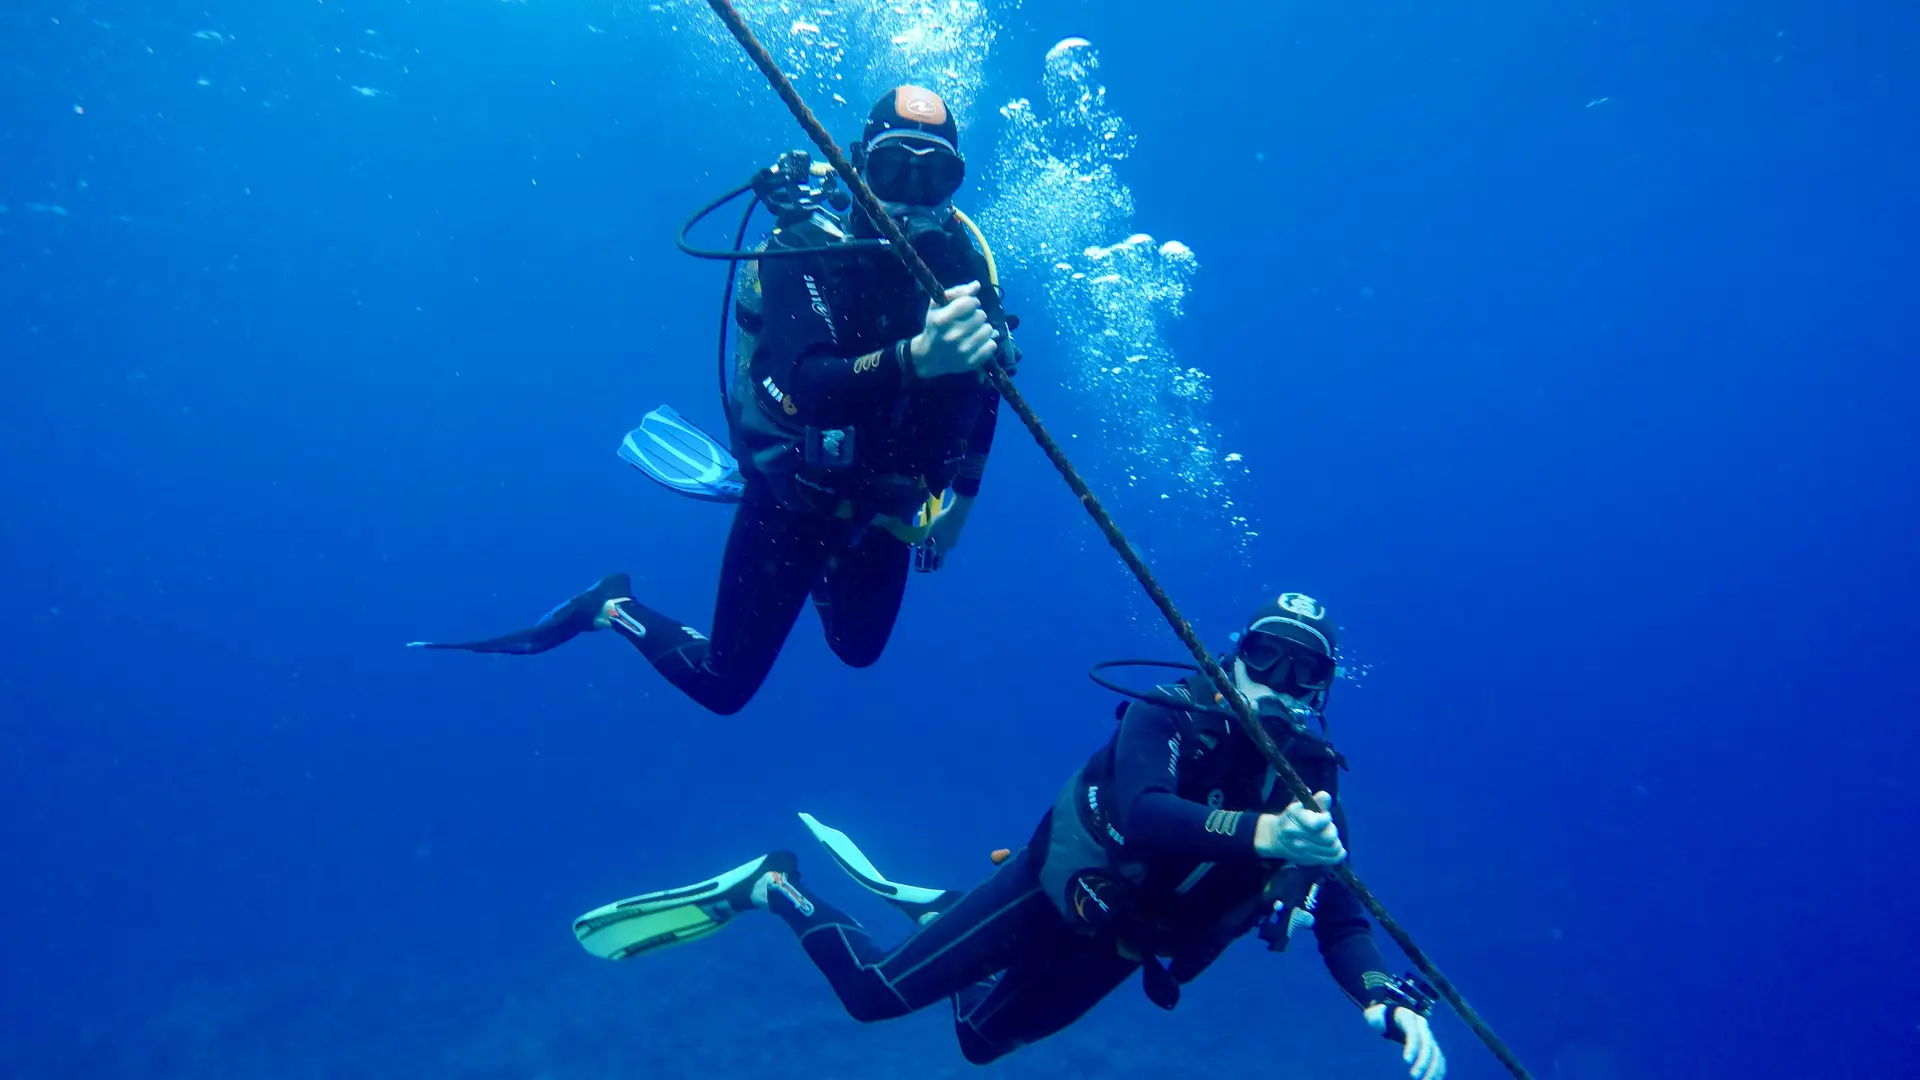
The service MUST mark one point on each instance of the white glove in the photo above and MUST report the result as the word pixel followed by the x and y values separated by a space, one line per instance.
pixel 1301 836
pixel 957 338
pixel 1421 1050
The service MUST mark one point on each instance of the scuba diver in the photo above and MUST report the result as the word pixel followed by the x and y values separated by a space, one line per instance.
pixel 1171 842
pixel 859 410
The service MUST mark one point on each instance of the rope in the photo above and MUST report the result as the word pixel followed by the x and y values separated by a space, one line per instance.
pixel 1184 630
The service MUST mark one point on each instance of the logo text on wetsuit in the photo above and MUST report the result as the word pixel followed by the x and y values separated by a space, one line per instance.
pixel 820 307
pixel 773 391
pixel 1093 804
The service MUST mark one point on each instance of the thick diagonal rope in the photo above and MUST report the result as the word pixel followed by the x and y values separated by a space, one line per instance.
pixel 1249 719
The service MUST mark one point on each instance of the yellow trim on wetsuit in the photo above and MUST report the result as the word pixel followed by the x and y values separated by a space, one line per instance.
pixel 986 249
pixel 932 509
pixel 903 532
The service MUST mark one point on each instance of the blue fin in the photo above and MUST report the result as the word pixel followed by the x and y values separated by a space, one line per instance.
pixel 682 457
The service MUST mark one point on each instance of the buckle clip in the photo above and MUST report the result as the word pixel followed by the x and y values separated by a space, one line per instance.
pixel 1409 992
pixel 830 448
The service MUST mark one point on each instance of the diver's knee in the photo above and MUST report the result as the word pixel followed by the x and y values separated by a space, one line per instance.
pixel 727 698
pixel 977 1049
pixel 860 659
pixel 733 698
pixel 727 693
pixel 857 652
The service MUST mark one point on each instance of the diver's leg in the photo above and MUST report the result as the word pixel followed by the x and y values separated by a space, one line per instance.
pixel 1038 996
pixel 773 556
pixel 859 596
pixel 1006 917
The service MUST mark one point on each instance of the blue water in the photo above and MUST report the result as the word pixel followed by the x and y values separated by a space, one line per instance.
pixel 1570 351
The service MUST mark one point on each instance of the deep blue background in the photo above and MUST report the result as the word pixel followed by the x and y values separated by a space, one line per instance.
pixel 1593 422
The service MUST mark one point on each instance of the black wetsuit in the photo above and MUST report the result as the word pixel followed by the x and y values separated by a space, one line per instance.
pixel 1017 970
pixel 831 354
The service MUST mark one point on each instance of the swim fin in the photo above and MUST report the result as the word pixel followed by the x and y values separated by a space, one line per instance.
pixel 673 452
pixel 922 905
pixel 569 619
pixel 656 920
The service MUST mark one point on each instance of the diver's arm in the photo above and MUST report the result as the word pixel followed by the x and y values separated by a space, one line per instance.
pixel 1345 937
pixel 1346 947
pixel 966 482
pixel 799 351
pixel 952 522
pixel 1155 820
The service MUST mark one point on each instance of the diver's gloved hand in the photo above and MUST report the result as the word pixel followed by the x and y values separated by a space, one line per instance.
pixel 957 338
pixel 1421 1051
pixel 1301 836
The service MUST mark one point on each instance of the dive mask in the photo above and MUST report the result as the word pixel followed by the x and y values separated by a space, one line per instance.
pixel 912 167
pixel 1281 662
